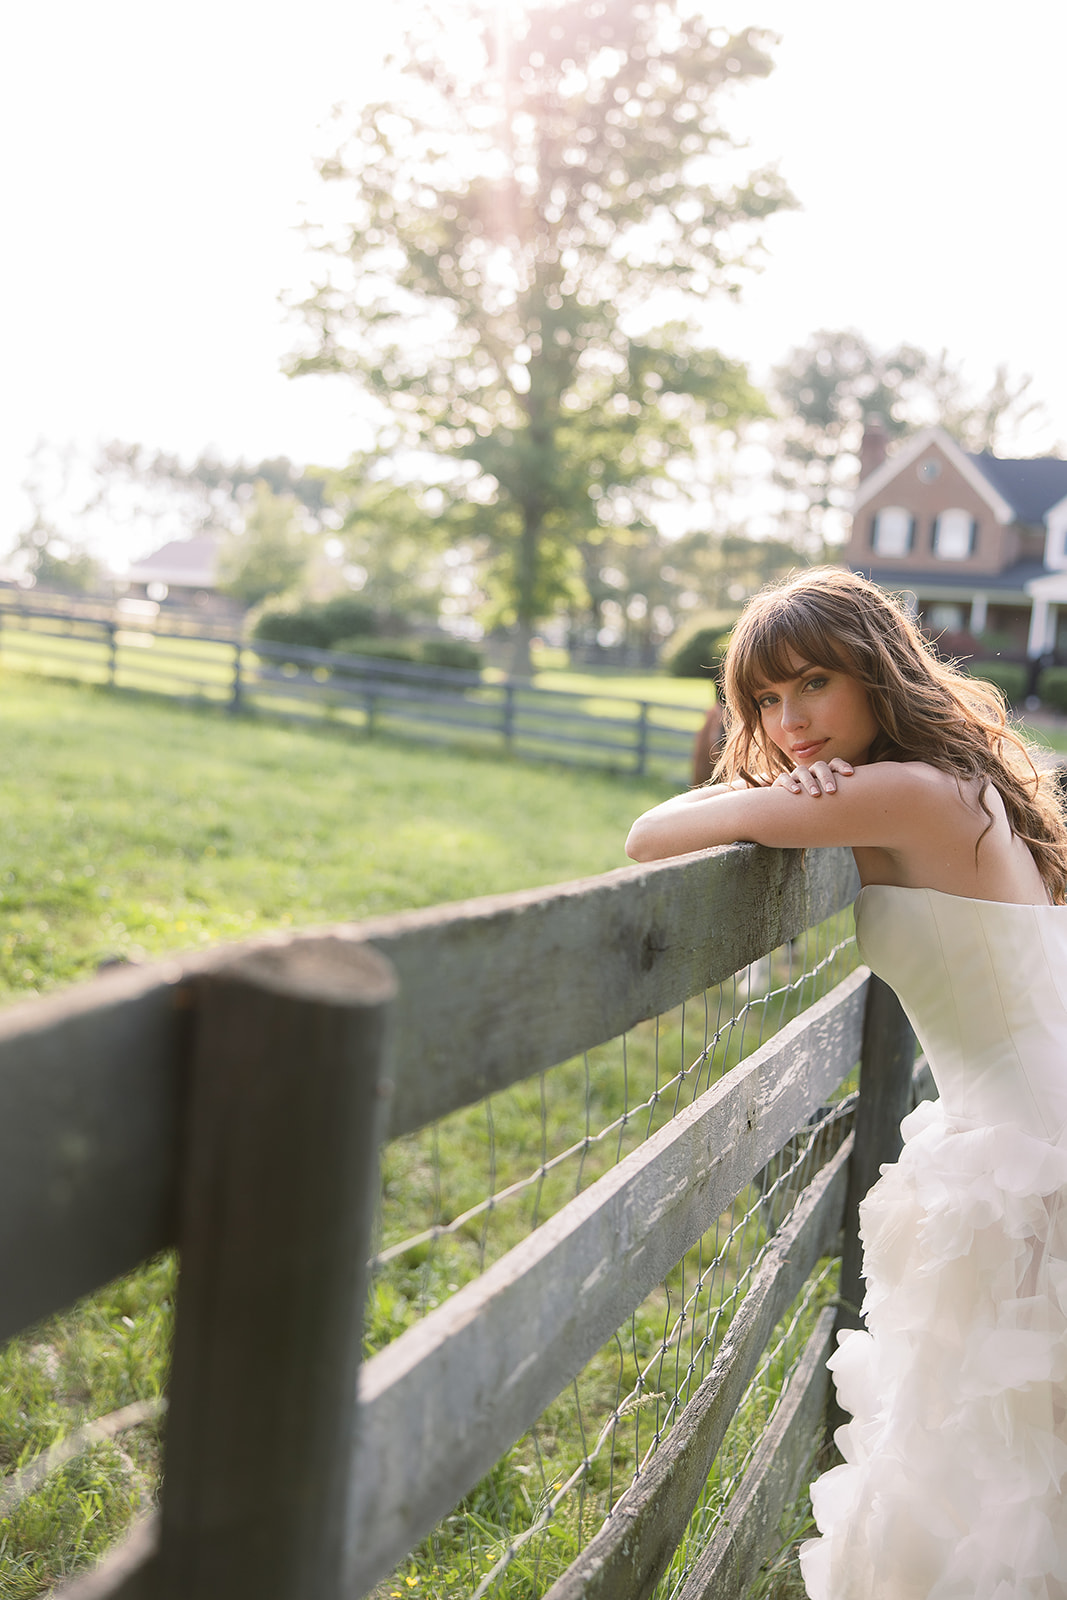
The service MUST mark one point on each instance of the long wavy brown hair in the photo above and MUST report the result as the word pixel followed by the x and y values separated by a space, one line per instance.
pixel 926 708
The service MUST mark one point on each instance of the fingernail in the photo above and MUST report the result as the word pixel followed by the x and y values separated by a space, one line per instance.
pixel 831 788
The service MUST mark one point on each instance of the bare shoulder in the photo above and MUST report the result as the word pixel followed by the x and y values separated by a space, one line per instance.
pixel 936 809
pixel 919 774
pixel 921 782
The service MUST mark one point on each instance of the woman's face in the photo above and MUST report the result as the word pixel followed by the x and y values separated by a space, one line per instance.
pixel 816 714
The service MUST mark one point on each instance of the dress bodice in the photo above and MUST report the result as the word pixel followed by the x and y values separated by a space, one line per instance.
pixel 984 985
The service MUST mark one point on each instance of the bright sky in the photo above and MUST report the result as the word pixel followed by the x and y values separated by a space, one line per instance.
pixel 157 159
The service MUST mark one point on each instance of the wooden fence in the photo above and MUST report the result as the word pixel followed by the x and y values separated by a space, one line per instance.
pixel 366 693
pixel 233 1102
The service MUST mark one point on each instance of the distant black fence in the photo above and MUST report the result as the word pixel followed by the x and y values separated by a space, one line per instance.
pixel 365 692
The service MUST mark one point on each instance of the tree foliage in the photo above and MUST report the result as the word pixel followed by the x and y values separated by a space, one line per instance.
pixel 44 553
pixel 269 554
pixel 511 211
pixel 646 589
pixel 52 562
pixel 831 387
pixel 210 494
pixel 397 547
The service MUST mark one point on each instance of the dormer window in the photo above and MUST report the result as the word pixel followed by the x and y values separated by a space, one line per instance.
pixel 954 532
pixel 892 532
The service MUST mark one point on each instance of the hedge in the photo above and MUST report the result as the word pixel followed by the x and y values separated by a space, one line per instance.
pixel 1008 676
pixel 1052 687
pixel 319 624
pixel 700 656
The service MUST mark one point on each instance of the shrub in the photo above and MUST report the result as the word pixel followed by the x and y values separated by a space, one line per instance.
pixel 1008 676
pixel 346 617
pixel 1052 687
pixel 290 627
pixel 452 653
pixel 380 649
pixel 319 624
pixel 700 656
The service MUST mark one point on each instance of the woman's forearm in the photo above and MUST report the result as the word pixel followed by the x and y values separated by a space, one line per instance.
pixel 671 828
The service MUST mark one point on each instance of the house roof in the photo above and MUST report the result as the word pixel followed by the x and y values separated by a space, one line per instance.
pixel 1017 490
pixel 188 563
pixel 965 465
pixel 1013 579
pixel 1030 486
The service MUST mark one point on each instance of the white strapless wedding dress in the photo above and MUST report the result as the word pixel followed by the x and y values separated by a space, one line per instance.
pixel 956 1457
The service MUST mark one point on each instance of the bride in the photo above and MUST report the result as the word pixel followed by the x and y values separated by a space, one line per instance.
pixel 843 728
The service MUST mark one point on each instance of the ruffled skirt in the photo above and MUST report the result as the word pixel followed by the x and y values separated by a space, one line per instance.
pixel 956 1456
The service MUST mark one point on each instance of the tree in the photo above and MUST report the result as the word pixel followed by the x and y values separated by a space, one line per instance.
pixel 831 387
pixel 53 562
pixel 396 546
pixel 45 554
pixel 270 554
pixel 134 481
pixel 515 209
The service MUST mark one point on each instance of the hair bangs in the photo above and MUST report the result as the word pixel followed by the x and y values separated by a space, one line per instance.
pixel 780 638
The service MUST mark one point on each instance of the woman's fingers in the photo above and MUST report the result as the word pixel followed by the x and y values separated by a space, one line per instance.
pixel 818 779
pixel 789 780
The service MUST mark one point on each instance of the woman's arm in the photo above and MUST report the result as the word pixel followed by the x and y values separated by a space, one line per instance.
pixel 888 804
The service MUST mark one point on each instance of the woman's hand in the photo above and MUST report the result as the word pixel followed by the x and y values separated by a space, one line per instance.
pixel 818 779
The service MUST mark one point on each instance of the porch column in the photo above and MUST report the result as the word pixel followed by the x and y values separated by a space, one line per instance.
pixel 1042 627
pixel 979 613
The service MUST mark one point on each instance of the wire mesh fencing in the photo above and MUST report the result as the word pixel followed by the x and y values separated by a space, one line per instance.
pixel 458 1195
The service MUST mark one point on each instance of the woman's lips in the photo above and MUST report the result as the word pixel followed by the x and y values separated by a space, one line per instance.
pixel 804 752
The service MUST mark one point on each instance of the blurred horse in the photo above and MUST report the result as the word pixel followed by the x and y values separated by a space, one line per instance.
pixel 707 746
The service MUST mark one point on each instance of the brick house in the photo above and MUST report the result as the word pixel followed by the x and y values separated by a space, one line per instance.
pixel 978 541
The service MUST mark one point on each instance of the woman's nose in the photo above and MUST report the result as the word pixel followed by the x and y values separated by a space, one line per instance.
pixel 793 713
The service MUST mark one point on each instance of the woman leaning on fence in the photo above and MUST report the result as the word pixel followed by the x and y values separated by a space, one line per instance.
pixel 843 728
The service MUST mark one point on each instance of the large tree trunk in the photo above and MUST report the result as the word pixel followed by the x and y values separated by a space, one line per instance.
pixel 526 592
pixel 521 659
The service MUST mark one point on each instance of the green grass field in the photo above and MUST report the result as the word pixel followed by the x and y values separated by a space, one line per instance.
pixel 131 826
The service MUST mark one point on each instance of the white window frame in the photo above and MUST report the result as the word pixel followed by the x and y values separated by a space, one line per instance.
pixel 893 531
pixel 954 534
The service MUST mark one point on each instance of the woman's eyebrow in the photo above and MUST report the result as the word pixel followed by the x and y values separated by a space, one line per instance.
pixel 809 666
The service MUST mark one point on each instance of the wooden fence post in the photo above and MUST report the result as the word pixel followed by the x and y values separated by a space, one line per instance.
pixel 236 687
pixel 112 652
pixel 507 726
pixel 886 1064
pixel 277 1216
pixel 642 739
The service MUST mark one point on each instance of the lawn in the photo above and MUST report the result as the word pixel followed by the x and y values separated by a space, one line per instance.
pixel 657 687
pixel 132 826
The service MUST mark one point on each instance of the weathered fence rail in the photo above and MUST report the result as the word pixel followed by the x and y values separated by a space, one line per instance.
pixel 365 692
pixel 233 1101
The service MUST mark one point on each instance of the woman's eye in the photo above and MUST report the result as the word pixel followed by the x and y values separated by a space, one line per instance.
pixel 816 683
